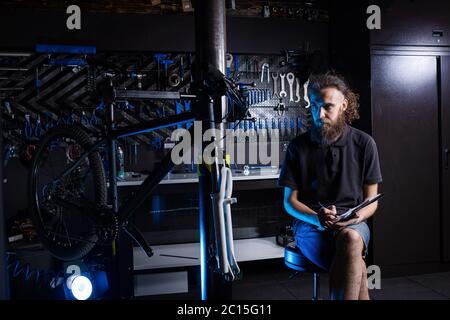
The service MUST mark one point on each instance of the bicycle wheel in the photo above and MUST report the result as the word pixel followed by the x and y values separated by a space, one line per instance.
pixel 63 204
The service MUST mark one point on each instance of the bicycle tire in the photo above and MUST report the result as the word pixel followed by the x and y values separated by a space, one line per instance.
pixel 79 135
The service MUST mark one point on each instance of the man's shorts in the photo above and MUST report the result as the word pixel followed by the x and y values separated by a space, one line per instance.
pixel 319 246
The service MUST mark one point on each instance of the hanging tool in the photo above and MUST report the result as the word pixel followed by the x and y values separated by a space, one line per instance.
pixel 48 121
pixel 255 68
pixel 290 77
pixel 292 126
pixel 179 109
pixel 139 76
pixel 280 107
pixel 7 105
pixel 264 67
pixel 84 120
pixel 297 90
pixel 166 63
pixel 305 94
pixel 70 120
pixel 187 108
pixel 28 127
pixel 283 88
pixel 275 84
pixel 236 66
pixel 228 62
pixel 247 67
pixel 181 69
pixel 88 121
pixel 174 80
pixel 158 57
pixel 37 82
pixel 38 130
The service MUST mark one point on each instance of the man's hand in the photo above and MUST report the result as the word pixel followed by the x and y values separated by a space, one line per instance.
pixel 341 225
pixel 327 216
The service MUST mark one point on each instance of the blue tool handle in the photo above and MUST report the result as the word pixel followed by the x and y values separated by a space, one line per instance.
pixel 178 110
pixel 93 120
pixel 187 105
pixel 236 63
pixel 28 129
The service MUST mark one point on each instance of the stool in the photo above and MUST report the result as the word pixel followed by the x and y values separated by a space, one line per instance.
pixel 296 260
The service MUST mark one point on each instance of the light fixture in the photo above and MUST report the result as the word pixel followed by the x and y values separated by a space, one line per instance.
pixel 80 286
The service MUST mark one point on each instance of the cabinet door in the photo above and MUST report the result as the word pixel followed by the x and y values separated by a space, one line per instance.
pixel 418 22
pixel 405 127
pixel 445 116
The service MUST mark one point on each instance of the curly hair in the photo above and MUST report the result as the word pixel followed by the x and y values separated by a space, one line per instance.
pixel 330 80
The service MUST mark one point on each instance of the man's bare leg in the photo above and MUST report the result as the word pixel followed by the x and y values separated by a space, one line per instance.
pixel 364 291
pixel 346 270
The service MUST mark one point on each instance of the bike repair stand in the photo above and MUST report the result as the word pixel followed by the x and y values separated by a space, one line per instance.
pixel 210 31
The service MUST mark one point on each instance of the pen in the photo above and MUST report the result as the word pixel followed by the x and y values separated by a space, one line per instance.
pixel 321 205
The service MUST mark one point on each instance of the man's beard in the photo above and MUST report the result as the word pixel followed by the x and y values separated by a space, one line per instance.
pixel 331 131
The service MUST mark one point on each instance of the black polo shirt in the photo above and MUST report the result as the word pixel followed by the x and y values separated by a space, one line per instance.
pixel 332 174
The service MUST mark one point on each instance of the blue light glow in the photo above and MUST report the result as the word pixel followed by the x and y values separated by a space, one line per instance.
pixel 81 287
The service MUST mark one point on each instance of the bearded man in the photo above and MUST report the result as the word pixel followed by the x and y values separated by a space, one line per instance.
pixel 327 170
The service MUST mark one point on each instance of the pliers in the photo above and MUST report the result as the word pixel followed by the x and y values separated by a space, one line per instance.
pixel 38 130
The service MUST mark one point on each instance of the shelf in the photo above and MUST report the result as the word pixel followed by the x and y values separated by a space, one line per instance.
pixel 188 254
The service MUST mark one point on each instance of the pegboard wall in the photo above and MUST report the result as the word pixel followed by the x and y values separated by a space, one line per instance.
pixel 38 91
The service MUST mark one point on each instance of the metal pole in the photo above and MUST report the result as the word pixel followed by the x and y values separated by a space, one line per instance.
pixel 4 281
pixel 316 286
pixel 210 43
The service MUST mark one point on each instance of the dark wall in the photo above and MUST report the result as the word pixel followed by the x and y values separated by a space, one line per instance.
pixel 349 52
pixel 140 32
pixel 406 22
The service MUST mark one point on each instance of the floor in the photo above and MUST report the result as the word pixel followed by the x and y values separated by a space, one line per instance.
pixel 278 286
pixel 273 283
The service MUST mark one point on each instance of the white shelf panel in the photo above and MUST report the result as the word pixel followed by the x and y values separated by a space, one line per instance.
pixel 188 254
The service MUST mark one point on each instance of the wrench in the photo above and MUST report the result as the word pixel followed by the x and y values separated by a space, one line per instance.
pixel 297 90
pixel 265 66
pixel 283 88
pixel 305 94
pixel 275 84
pixel 290 77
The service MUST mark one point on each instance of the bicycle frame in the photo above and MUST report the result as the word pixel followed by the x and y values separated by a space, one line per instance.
pixel 153 179
pixel 148 185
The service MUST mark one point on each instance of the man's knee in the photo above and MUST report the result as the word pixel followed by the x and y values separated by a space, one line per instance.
pixel 350 241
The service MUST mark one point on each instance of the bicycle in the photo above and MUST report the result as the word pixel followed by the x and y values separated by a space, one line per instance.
pixel 68 190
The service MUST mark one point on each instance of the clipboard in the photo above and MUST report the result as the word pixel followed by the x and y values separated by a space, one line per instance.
pixel 351 212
